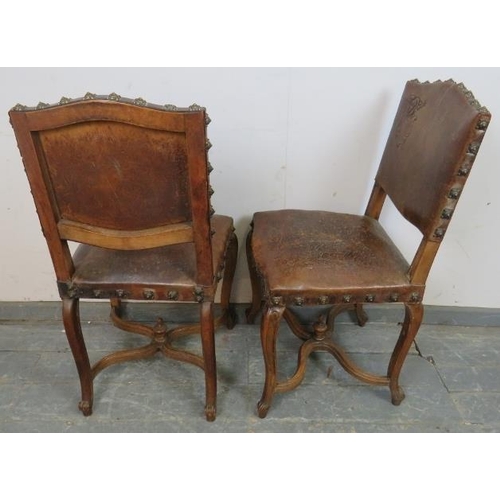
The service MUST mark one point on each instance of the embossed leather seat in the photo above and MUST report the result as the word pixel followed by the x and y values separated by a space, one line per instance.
pixel 128 180
pixel 340 261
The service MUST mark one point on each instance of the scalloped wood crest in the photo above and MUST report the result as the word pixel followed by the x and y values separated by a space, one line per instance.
pixel 467 93
pixel 89 96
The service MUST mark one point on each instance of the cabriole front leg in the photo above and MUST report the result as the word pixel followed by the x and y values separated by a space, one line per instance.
pixel 72 326
pixel 271 317
pixel 413 318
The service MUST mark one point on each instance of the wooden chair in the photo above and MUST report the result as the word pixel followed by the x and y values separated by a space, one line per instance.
pixel 128 180
pixel 316 258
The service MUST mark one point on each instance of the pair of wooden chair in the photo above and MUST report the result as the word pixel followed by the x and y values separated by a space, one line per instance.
pixel 129 181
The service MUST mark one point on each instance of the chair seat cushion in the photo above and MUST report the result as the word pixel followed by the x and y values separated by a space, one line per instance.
pixel 318 254
pixel 136 273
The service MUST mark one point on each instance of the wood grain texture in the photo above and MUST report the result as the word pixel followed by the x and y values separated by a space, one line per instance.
pixel 128 180
pixel 336 261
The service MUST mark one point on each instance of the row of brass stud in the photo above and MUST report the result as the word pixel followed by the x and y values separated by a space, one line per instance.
pixel 463 171
pixel 147 294
pixel 139 101
pixel 346 299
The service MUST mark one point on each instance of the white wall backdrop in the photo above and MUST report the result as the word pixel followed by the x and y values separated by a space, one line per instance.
pixel 282 138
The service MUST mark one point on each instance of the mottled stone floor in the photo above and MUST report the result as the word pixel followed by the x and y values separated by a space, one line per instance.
pixel 451 379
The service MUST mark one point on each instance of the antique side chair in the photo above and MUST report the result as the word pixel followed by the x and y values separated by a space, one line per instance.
pixel 129 182
pixel 316 258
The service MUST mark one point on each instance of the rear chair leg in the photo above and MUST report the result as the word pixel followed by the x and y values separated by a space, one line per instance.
pixel 72 326
pixel 227 283
pixel 257 298
pixel 208 347
pixel 360 314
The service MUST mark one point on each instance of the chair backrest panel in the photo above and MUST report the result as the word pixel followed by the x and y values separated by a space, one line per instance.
pixel 431 147
pixel 117 173
pixel 100 171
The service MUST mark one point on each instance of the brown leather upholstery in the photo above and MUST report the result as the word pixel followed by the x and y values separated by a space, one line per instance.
pixel 329 256
pixel 165 269
pixel 305 258
pixel 129 181
pixel 434 135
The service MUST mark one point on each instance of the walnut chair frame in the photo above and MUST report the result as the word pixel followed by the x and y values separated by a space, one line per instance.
pixel 129 181
pixel 341 261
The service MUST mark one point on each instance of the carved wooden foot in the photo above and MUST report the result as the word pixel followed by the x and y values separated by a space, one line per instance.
pixel 397 395
pixel 210 413
pixel 85 407
pixel 262 409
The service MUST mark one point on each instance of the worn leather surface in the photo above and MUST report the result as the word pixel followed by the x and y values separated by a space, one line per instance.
pixel 125 163
pixel 432 131
pixel 171 266
pixel 307 252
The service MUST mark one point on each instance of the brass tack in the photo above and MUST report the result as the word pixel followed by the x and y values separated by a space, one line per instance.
pixel 149 294
pixel 394 297
pixel 446 213
pixel 173 295
pixel 370 297
pixel 454 193
pixel 323 300
pixel 299 301
pixel 473 148
pixel 482 125
pixel 198 292
pixel 346 298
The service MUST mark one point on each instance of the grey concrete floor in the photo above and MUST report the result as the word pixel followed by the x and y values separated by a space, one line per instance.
pixel 451 378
